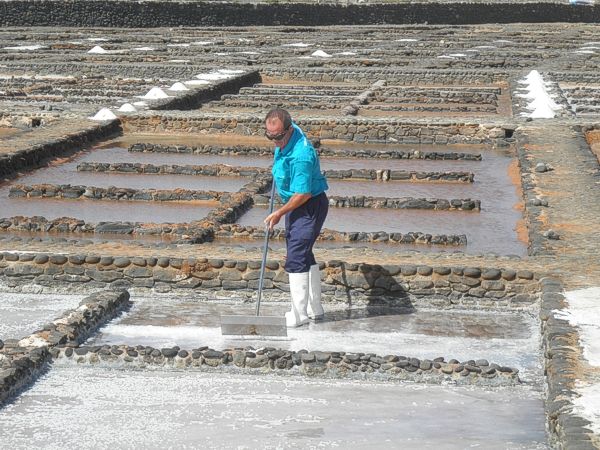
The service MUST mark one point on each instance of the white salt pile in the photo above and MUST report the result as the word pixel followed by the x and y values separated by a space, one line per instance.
pixel 155 93
pixel 321 54
pixel 127 107
pixel 213 76
pixel 196 82
pixel 104 114
pixel 539 99
pixel 230 71
pixel 144 49
pixel 297 44
pixel 25 47
pixel 97 49
pixel 178 87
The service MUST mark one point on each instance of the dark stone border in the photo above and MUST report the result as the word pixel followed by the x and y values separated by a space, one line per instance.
pixel 176 169
pixel 164 14
pixel 313 364
pixel 562 356
pixel 23 360
pixel 400 175
pixel 397 285
pixel 323 152
pixel 67 191
pixel 416 237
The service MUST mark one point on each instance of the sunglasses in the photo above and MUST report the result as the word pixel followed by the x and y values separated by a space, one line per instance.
pixel 276 137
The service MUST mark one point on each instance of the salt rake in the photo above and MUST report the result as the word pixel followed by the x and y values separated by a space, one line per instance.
pixel 257 325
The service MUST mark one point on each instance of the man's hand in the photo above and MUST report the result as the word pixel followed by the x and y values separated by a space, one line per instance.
pixel 273 219
pixel 294 202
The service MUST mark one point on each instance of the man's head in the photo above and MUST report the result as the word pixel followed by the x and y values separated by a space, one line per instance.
pixel 278 127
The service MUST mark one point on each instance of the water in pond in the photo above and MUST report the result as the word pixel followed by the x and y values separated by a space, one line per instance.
pixel 99 407
pixel 486 231
pixel 22 314
pixel 510 339
pixel 105 210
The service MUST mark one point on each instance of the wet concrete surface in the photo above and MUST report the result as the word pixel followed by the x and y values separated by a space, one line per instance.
pixel 22 314
pixel 505 338
pixel 190 409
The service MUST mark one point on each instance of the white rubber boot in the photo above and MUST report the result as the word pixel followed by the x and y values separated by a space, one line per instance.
pixel 299 292
pixel 315 309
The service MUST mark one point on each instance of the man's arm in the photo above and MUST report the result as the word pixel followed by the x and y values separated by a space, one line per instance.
pixel 294 202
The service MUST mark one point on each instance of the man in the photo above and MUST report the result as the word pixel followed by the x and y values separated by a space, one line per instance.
pixel 301 186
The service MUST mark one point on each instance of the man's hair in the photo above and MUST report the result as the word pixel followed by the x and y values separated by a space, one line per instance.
pixel 281 114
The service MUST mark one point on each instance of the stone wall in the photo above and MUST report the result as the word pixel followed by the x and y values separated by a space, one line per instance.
pixel 164 14
pixel 562 358
pixel 22 360
pixel 213 170
pixel 324 151
pixel 346 129
pixel 392 284
pixel 393 76
pixel 249 232
pixel 313 364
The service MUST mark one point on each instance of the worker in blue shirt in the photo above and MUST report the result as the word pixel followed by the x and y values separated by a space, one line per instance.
pixel 301 187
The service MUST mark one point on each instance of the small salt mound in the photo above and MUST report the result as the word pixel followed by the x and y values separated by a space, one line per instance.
pixel 202 43
pixel 178 87
pixel 212 76
pixel 97 39
pixel 97 49
pixel 297 44
pixel 230 71
pixel 321 54
pixel 196 82
pixel 406 40
pixel 104 114
pixel 155 93
pixel 144 49
pixel 25 47
pixel 127 107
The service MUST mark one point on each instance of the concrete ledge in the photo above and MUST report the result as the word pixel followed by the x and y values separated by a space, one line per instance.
pixel 312 364
pixel 164 14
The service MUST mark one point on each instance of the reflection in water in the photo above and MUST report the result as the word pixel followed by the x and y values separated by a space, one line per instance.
pixel 105 210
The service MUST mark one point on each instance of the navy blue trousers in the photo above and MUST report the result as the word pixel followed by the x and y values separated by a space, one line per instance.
pixel 302 227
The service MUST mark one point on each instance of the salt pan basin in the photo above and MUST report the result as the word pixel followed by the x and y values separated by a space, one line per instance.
pixel 22 314
pixel 509 339
pixel 99 408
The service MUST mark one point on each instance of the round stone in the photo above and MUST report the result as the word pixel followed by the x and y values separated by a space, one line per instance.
pixel 41 259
